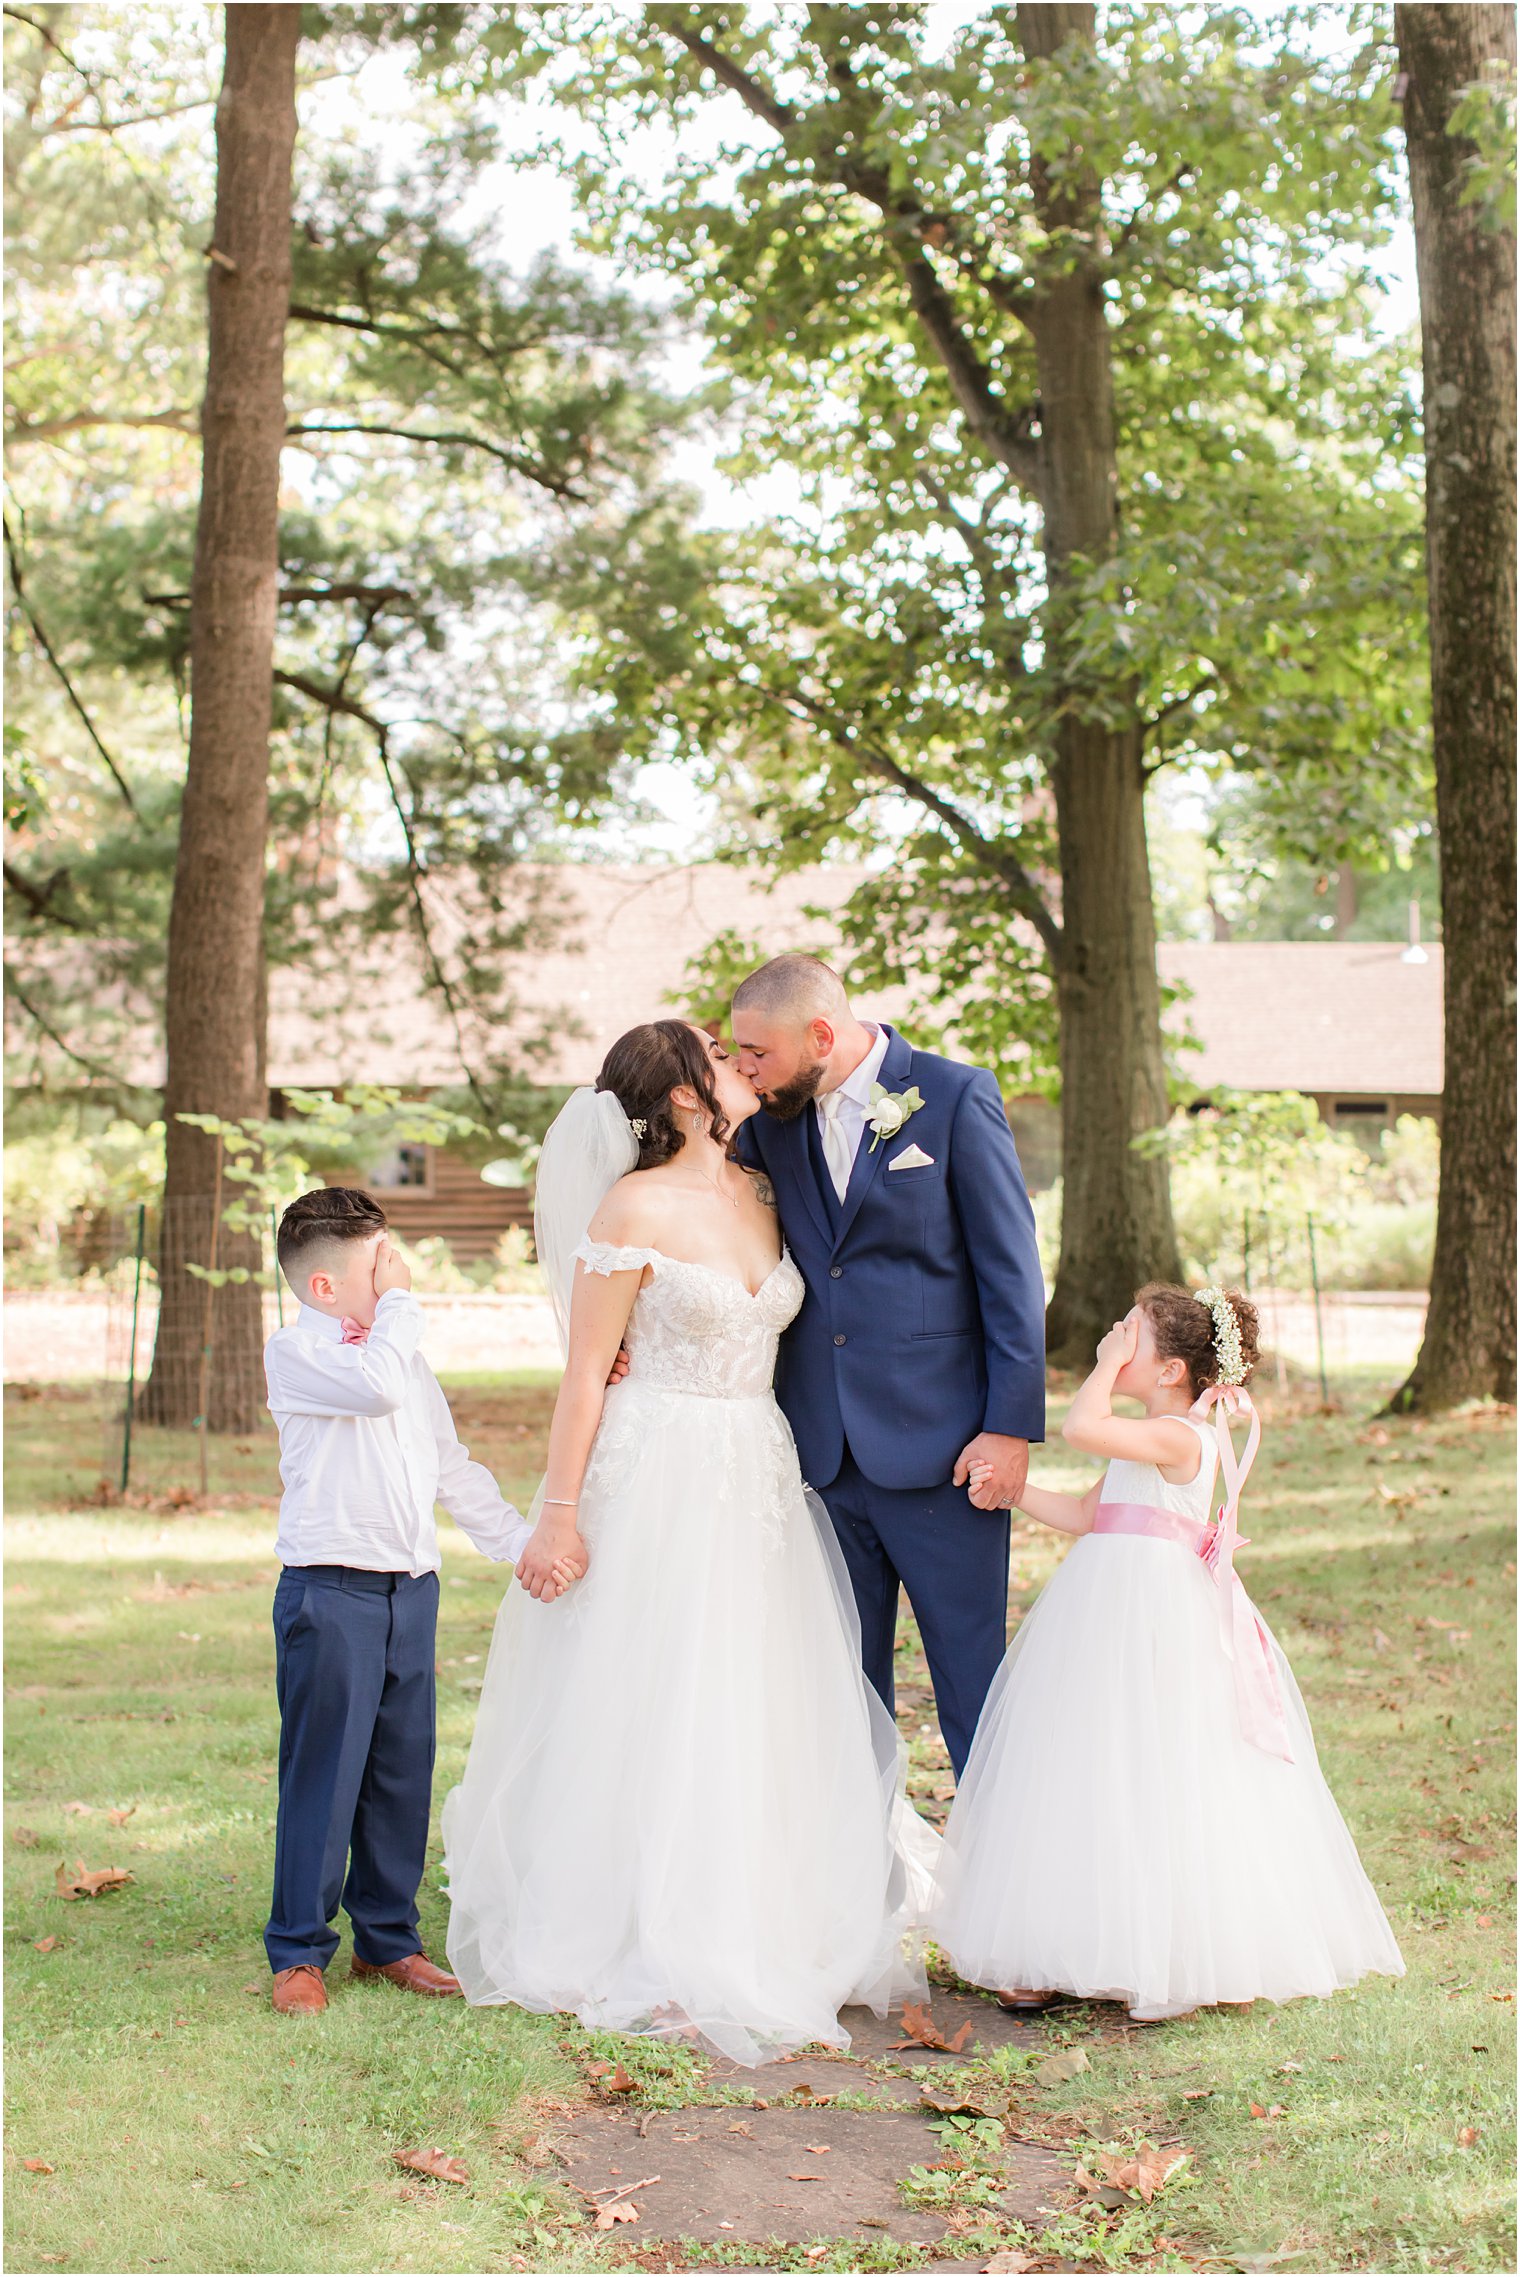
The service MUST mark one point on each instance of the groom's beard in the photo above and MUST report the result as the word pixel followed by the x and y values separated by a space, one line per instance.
pixel 787 1101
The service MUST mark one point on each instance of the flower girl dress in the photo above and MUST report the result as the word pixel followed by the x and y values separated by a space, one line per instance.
pixel 681 1813
pixel 1143 1818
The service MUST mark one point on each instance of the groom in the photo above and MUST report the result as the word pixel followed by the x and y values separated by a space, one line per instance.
pixel 920 1347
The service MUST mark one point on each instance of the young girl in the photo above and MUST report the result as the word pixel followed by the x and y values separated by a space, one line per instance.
pixel 1143 1818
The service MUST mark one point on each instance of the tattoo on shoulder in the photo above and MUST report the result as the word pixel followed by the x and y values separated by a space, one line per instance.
pixel 763 1190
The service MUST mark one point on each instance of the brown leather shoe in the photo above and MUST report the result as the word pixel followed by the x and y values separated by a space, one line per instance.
pixel 415 1974
pixel 299 1991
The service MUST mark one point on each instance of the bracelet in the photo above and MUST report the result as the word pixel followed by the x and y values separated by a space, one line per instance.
pixel 561 1502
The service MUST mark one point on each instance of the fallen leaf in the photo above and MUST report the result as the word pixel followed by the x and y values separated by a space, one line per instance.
pixel 740 2127
pixel 1155 2168
pixel 119 1818
pixel 1277 2111
pixel 612 2079
pixel 84 1882
pixel 437 2163
pixel 45 1944
pixel 24 1838
pixel 1485 1921
pixel 1380 1643
pixel 1335 2059
pixel 950 2104
pixel 1010 2260
pixel 1258 2110
pixel 1467 2136
pixel 1063 2065
pixel 619 2211
pixel 1197 2094
pixel 804 2178
pixel 818 2150
pixel 37 2166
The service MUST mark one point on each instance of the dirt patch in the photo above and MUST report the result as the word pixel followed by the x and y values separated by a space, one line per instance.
pixel 758 2176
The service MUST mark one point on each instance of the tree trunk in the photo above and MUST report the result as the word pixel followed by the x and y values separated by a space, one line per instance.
pixel 215 995
pixel 1467 310
pixel 1116 1211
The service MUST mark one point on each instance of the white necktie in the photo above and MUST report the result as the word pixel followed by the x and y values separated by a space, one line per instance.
pixel 837 1150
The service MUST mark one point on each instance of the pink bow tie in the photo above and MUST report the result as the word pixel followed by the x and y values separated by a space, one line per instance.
pixel 354 1332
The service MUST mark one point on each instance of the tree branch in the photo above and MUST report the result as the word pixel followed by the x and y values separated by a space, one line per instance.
pixel 372 597
pixel 556 485
pixel 970 381
pixel 992 856
pixel 23 430
pixel 40 1019
pixel 48 650
pixel 334 700
pixel 39 897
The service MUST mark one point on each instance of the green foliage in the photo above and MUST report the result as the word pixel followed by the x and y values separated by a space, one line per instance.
pixel 883 665
pixel 265 1163
pixel 1484 115
pixel 66 1179
pixel 1255 1167
pixel 452 419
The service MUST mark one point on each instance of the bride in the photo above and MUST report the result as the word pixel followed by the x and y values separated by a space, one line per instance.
pixel 681 1810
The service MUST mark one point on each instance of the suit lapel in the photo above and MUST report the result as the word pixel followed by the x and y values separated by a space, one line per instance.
pixel 893 1077
pixel 792 1149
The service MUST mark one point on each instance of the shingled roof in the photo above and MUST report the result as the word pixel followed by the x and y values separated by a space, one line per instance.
pixel 1348 1017
pixel 1316 1016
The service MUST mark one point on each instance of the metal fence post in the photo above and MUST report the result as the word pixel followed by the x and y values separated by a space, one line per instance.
pixel 1319 1317
pixel 126 1421
pixel 204 1418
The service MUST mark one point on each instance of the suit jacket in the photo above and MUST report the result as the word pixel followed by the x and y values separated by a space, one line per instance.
pixel 924 1319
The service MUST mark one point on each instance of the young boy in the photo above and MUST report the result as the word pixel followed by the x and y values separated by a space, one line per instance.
pixel 367 1446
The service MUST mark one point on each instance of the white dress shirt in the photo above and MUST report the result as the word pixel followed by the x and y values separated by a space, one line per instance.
pixel 843 1112
pixel 367 1446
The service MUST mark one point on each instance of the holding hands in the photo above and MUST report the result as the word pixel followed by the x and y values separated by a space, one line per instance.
pixel 554 1557
pixel 994 1469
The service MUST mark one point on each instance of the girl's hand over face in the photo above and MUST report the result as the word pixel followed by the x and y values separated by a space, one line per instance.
pixel 1122 1342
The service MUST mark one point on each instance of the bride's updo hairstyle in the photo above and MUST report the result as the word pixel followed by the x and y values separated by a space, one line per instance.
pixel 1184 1330
pixel 641 1071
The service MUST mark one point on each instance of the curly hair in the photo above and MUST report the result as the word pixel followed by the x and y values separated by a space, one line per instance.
pixel 1184 1330
pixel 641 1071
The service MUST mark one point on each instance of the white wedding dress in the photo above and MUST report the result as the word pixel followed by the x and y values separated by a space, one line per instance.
pixel 682 1809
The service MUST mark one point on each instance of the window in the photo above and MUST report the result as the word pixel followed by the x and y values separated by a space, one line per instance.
pixel 406 1169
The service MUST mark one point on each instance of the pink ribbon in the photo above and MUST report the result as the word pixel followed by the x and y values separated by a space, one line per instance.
pixel 354 1331
pixel 1242 1631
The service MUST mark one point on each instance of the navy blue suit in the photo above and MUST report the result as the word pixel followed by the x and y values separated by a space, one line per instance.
pixel 923 1324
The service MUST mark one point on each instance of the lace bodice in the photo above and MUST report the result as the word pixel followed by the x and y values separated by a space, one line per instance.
pixel 1142 1482
pixel 695 1329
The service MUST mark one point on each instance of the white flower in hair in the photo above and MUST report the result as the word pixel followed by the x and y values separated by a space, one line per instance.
pixel 1232 1362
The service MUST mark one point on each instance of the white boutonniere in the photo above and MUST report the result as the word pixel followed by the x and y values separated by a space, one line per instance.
pixel 889 1110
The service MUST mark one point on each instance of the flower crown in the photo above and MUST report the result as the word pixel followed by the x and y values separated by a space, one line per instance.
pixel 1232 1362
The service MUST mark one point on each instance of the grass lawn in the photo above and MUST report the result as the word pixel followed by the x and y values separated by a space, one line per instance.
pixel 184 2127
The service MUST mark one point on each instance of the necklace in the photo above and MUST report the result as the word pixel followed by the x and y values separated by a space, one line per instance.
pixel 731 1199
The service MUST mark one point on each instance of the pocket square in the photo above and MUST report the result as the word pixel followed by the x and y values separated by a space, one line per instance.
pixel 911 1158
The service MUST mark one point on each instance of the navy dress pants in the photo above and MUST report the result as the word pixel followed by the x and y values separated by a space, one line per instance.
pixel 953 1562
pixel 358 1728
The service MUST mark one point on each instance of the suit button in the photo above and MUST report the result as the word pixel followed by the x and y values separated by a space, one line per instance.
pixel 839 1340
pixel 835 1271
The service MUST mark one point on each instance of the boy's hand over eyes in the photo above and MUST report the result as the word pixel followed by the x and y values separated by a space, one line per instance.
pixel 391 1269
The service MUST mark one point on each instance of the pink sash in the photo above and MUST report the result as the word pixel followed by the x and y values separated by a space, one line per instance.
pixel 1242 1632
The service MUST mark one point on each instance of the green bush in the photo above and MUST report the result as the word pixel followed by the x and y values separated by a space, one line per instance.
pixel 1256 1167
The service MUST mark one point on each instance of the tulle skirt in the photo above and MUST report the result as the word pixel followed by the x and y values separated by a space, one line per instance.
pixel 1115 1837
pixel 682 1809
